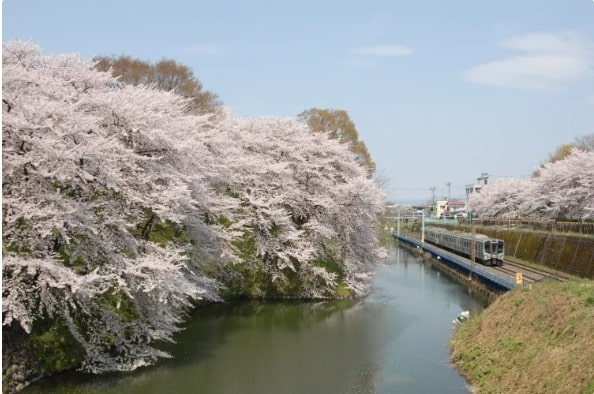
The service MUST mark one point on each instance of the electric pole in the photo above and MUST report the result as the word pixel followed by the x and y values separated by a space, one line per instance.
pixel 448 213
pixel 473 245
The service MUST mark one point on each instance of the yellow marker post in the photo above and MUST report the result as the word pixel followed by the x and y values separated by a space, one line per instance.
pixel 519 279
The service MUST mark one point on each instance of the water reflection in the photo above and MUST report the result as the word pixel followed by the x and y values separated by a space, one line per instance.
pixel 393 341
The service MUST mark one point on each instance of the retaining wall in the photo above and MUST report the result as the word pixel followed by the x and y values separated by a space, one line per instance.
pixel 573 254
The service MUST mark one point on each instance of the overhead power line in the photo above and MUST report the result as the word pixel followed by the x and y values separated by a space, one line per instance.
pixel 410 188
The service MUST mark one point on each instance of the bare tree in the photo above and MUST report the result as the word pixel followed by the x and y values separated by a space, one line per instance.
pixel 585 142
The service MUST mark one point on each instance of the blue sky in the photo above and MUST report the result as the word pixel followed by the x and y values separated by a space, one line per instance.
pixel 440 91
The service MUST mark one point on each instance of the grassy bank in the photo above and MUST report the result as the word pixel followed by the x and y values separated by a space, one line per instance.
pixel 537 339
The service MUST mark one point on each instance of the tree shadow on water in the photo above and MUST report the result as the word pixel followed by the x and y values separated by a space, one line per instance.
pixel 204 333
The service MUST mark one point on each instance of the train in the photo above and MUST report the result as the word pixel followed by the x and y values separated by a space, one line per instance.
pixel 488 251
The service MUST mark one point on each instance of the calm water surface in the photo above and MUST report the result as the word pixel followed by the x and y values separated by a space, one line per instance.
pixel 394 341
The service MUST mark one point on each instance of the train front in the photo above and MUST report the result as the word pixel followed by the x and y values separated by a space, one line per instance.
pixel 494 251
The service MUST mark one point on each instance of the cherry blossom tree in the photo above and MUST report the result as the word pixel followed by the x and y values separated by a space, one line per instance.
pixel 89 166
pixel 306 208
pixel 502 198
pixel 564 189
pixel 561 189
pixel 120 209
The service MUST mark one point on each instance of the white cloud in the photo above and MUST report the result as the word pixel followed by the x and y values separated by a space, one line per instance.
pixel 382 50
pixel 364 57
pixel 546 62
pixel 546 43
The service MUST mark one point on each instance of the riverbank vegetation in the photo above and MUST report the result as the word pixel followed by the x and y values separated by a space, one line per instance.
pixel 123 207
pixel 534 339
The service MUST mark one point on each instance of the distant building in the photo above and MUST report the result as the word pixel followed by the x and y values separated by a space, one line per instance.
pixel 476 187
pixel 449 208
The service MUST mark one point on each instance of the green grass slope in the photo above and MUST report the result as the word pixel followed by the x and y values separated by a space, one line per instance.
pixel 535 339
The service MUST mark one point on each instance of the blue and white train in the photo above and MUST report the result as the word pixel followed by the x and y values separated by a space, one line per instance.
pixel 489 251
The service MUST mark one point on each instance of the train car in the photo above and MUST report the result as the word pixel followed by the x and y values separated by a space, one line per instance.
pixel 488 251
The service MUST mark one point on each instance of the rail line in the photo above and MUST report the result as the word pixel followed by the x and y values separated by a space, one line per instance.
pixel 530 274
pixel 511 268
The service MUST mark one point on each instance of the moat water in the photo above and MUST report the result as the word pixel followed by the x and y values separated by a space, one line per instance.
pixel 393 341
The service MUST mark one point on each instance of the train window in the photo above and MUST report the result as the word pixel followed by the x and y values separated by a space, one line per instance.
pixel 487 247
pixel 500 246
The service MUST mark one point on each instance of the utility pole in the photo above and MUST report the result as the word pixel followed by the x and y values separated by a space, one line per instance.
pixel 433 200
pixel 448 203
pixel 423 226
pixel 473 245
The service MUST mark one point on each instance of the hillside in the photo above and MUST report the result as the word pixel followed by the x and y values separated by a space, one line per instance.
pixel 537 339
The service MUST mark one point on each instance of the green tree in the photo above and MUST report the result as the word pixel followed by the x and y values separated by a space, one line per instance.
pixel 338 125
pixel 166 75
pixel 561 153
pixel 585 142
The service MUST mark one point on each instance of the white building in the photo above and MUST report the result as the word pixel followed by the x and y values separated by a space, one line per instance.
pixel 449 208
pixel 476 187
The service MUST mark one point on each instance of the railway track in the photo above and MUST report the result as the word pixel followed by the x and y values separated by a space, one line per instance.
pixel 530 274
pixel 511 268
